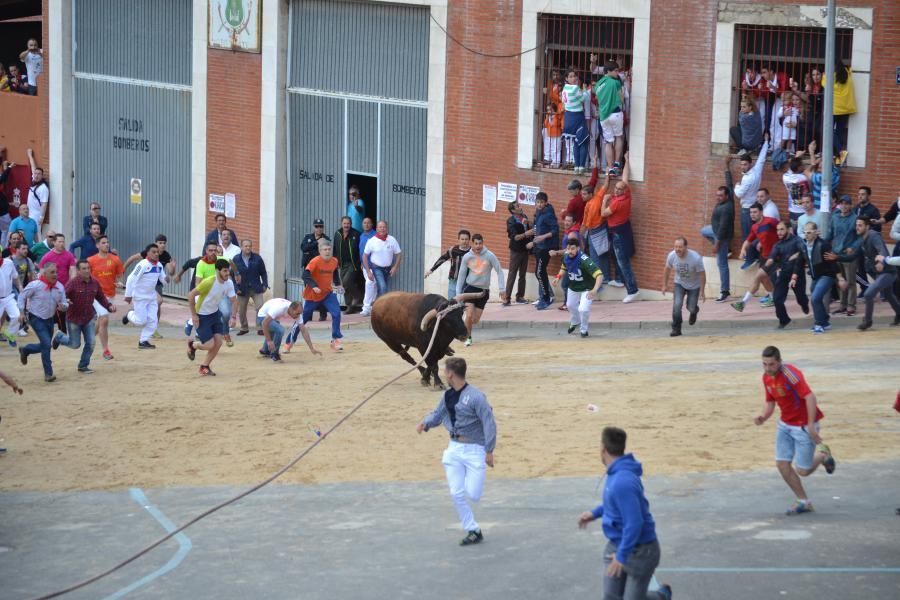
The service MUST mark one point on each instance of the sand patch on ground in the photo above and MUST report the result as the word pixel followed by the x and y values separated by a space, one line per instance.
pixel 146 419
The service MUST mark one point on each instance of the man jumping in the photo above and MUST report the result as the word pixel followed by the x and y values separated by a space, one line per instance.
pixel 204 302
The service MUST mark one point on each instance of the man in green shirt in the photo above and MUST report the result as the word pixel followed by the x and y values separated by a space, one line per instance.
pixel 610 95
pixel 43 247
pixel 585 279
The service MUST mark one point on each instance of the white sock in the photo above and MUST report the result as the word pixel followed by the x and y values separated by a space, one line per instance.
pixel 746 298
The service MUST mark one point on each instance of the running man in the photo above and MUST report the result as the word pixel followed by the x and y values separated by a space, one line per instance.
pixel 9 283
pixel 83 292
pixel 108 270
pixel 168 263
pixel 267 320
pixel 465 412
pixel 797 438
pixel 204 301
pixel 585 279
pixel 141 287
pixel 632 552
pixel 690 281
pixel 475 277
pixel 322 279
pixel 41 299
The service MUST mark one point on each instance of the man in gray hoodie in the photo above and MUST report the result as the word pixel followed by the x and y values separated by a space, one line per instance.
pixel 475 277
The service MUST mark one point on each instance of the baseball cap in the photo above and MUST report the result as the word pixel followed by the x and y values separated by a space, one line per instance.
pixel 846 199
pixel 319 222
pixel 574 185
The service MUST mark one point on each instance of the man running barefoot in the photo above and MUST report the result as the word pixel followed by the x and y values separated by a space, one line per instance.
pixel 797 438
pixel 204 302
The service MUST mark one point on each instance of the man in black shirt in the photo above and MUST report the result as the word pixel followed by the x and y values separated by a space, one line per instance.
pixel 516 226
pixel 346 250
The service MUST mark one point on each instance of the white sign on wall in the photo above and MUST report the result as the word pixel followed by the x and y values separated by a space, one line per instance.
pixel 506 192
pixel 528 194
pixel 234 25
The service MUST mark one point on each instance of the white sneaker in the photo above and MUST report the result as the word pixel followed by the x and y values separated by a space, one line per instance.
pixel 615 283
pixel 631 297
pixel 366 312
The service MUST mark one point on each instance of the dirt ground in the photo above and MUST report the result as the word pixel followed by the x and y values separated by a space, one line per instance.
pixel 146 419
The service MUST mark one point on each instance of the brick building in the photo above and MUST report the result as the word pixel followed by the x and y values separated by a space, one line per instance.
pixel 378 94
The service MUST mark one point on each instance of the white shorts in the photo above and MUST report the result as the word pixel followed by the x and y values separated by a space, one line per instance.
pixel 98 308
pixel 613 126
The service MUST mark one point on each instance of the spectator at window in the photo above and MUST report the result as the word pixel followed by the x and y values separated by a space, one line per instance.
pixel 552 134
pixel 94 217
pixel 814 174
pixel 747 135
pixel 796 184
pixel 574 128
pixel 611 103
pixel 789 118
pixel 844 106
pixel 753 88
pixel 33 57
pixel 554 89
pixel 774 84
pixel 16 80
pixel 4 79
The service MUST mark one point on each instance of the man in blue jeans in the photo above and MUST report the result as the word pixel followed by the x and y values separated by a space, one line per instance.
pixel 83 293
pixel 632 553
pixel 267 319
pixel 721 230
pixel 381 258
pixel 41 299
pixel 823 273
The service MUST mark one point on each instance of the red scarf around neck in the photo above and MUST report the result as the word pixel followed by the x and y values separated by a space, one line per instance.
pixel 207 261
pixel 49 285
pixel 383 238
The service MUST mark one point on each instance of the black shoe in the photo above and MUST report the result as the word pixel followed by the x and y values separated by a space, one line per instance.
pixel 665 591
pixel 85 370
pixel 473 537
pixel 49 378
pixel 191 351
pixel 864 325
pixel 23 358
pixel 805 309
pixel 584 334
pixel 572 328
pixel 125 319
pixel 692 319
pixel 146 346
pixel 896 321
pixel 675 333
pixel 723 296
pixel 323 317
pixel 783 325
pixel 55 343
pixel 275 357
pixel 243 332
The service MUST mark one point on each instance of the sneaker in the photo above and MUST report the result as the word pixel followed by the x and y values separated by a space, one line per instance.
pixel 738 306
pixel 768 303
pixel 263 352
pixel 505 304
pixel 107 355
pixel 829 463
pixel 85 370
pixel 723 296
pixel 862 326
pixel 55 343
pixel 665 591
pixel 287 348
pixel 521 301
pixel 543 305
pixel 572 329
pixel 12 342
pixel 827 327
pixel 228 341
pixel 631 297
pixel 366 313
pixel 473 537
pixel 125 319
pixel 275 357
pixel 840 311
pixel 818 329
pixel 584 334
pixel 799 508
pixel 49 378
pixel 243 332
pixel 616 283
pixel 188 327
pixel 146 346
pixel 469 341
pixel 23 332
pixel 783 325
pixel 742 152
pixel 747 264
pixel 157 335
pixel 23 358
pixel 191 351
pixel 337 346
pixel 765 299
pixel 562 307
pixel 692 319
pixel 206 371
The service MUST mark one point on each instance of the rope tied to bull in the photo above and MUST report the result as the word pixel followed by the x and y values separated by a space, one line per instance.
pixel 431 315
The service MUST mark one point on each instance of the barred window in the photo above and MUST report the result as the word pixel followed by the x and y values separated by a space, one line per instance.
pixel 584 44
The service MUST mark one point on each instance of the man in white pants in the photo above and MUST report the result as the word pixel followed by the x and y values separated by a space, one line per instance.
pixel 9 279
pixel 141 287
pixel 371 288
pixel 465 412
pixel 585 279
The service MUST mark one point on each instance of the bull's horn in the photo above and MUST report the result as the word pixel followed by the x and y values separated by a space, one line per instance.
pixel 469 296
pixel 428 318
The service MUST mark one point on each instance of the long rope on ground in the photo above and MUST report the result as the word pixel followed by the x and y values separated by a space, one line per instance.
pixel 260 485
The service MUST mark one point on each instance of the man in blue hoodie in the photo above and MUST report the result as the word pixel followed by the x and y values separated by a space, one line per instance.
pixel 632 553
pixel 546 238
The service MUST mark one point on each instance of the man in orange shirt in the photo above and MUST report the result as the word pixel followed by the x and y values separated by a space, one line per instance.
pixel 108 270
pixel 322 278
pixel 594 231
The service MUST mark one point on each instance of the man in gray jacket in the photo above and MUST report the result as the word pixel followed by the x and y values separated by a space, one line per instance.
pixel 721 230
pixel 465 412
pixel 475 277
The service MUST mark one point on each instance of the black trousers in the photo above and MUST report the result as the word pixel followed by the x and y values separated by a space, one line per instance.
pixel 352 280
pixel 782 285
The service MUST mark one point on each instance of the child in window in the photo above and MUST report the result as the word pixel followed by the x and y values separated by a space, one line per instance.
pixel 552 134
pixel 789 115
pixel 574 130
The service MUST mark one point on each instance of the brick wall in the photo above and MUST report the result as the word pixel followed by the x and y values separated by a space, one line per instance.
pixel 681 169
pixel 232 151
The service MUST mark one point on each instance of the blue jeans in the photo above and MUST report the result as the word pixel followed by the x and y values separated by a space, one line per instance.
pixel 277 331
pixel 451 288
pixel 623 261
pixel 601 260
pixel 330 303
pixel 885 282
pixel 581 153
pixel 225 309
pixel 382 281
pixel 678 296
pixel 72 339
pixel 821 296
pixel 721 258
pixel 746 223
pixel 43 329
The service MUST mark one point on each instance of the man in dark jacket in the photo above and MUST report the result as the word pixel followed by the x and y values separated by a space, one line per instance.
pixel 346 250
pixel 632 553
pixel 546 238
pixel 883 273
pixel 721 230
pixel 310 248
pixel 254 281
pixel 823 274
pixel 516 226
pixel 94 217
pixel 785 269
pixel 215 236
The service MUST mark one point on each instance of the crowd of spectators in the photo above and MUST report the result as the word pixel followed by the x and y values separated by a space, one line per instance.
pixel 20 75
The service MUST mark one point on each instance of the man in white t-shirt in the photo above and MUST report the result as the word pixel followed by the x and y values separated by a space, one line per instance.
pixel 382 257
pixel 690 281
pixel 204 304
pixel 33 57
pixel 770 209
pixel 229 248
pixel 38 193
pixel 796 184
pixel 267 319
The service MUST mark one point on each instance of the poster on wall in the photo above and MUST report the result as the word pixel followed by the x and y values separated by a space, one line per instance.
pixel 234 25
pixel 137 191
pixel 488 198
pixel 216 203
pixel 229 205
pixel 506 192
pixel 528 194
